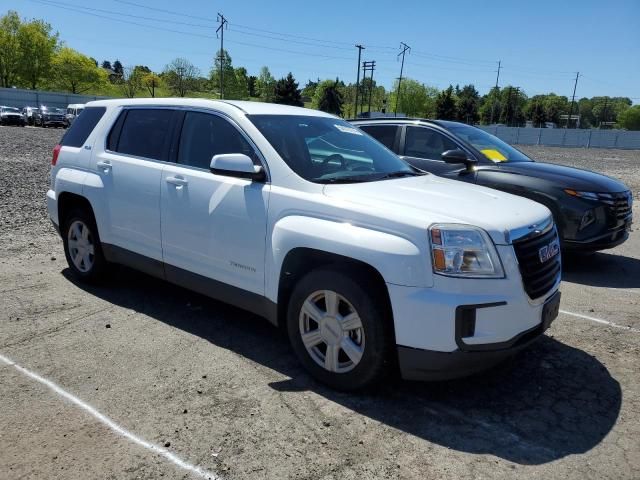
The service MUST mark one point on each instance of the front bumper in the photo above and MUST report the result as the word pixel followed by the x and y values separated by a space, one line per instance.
pixel 12 120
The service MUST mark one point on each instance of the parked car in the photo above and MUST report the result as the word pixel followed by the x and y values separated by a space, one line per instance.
pixel 29 114
pixel 73 110
pixel 50 117
pixel 296 215
pixel 11 116
pixel 592 211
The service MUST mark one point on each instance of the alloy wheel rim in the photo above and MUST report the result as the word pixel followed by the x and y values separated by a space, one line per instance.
pixel 331 331
pixel 81 247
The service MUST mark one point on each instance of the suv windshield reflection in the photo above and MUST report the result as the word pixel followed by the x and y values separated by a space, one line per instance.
pixel 490 146
pixel 329 150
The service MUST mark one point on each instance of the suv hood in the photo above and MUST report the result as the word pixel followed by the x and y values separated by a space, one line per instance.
pixel 429 199
pixel 565 177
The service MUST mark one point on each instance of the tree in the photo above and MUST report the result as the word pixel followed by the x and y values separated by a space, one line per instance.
pixel 416 99
pixel 37 46
pixel 534 111
pixel 287 92
pixel 328 98
pixel 491 106
pixel 106 64
pixel 151 82
pixel 130 81
pixel 630 118
pixel 251 85
pixel 181 76
pixel 76 72
pixel 446 105
pixel 118 68
pixel 468 104
pixel 309 89
pixel 266 85
pixel 9 48
pixel 554 106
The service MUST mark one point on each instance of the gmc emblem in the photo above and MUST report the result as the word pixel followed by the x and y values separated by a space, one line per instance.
pixel 547 252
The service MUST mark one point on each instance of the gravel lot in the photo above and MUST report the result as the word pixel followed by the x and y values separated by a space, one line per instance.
pixel 220 389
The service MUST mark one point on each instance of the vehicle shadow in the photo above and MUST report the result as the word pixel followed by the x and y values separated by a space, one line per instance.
pixel 602 270
pixel 548 402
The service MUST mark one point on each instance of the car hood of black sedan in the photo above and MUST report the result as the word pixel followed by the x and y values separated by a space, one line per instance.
pixel 565 177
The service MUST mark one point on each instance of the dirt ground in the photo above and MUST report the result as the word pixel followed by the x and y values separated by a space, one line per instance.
pixel 221 390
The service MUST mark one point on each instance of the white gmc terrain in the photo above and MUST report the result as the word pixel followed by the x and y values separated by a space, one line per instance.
pixel 302 218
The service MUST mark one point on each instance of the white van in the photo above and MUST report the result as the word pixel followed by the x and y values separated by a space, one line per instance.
pixel 73 110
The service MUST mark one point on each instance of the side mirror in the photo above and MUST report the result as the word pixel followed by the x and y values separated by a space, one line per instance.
pixel 459 156
pixel 236 165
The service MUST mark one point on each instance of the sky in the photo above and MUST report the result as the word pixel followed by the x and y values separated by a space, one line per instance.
pixel 541 44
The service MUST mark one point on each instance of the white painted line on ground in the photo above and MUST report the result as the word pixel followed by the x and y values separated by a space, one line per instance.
pixel 599 320
pixel 111 424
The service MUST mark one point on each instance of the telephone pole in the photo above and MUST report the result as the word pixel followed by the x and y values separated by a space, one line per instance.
pixel 493 107
pixel 223 25
pixel 368 67
pixel 360 48
pixel 575 85
pixel 405 48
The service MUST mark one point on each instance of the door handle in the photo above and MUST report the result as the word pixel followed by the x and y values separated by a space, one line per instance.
pixel 104 165
pixel 178 181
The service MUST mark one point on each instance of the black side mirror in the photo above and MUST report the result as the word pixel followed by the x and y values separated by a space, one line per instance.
pixel 459 156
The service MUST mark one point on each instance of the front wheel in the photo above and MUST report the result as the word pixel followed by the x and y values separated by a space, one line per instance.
pixel 338 330
pixel 82 247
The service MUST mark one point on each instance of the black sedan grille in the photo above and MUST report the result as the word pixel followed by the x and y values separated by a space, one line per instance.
pixel 619 203
pixel 538 276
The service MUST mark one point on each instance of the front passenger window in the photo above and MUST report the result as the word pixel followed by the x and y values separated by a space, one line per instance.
pixel 426 143
pixel 205 135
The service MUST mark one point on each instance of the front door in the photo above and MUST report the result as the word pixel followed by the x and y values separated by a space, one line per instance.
pixel 212 225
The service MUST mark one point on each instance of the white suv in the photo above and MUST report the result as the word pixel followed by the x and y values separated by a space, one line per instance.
pixel 300 217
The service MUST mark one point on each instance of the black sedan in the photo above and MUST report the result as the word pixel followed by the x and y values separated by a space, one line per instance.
pixel 592 211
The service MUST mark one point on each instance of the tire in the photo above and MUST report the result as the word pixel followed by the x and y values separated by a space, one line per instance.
pixel 91 267
pixel 361 348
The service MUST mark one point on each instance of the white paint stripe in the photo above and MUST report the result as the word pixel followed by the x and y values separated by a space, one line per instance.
pixel 111 424
pixel 599 320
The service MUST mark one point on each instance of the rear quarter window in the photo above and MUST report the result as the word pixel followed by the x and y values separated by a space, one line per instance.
pixel 82 127
pixel 142 133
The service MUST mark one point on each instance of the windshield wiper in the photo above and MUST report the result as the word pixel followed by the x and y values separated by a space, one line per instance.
pixel 399 174
pixel 352 179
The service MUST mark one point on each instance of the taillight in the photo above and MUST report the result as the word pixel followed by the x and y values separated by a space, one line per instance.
pixel 56 152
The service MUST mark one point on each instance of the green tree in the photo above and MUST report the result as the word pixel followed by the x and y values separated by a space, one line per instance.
pixel 240 89
pixel 534 111
pixel 446 105
pixel 75 72
pixel 251 85
pixel 554 106
pixel 106 64
pixel 468 103
pixel 266 85
pixel 181 76
pixel 37 47
pixel 630 118
pixel 328 97
pixel 9 49
pixel 415 100
pixel 490 107
pixel 309 89
pixel 151 82
pixel 131 81
pixel 287 92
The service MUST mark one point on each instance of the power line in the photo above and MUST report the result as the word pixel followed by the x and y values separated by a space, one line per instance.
pixel 172 12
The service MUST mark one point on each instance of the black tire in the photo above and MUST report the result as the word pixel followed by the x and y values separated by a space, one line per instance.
pixel 99 267
pixel 376 323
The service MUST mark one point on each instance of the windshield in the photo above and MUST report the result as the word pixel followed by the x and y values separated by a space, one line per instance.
pixel 329 150
pixel 11 110
pixel 491 147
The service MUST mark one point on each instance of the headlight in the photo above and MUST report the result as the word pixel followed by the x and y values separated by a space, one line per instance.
pixel 463 251
pixel 586 195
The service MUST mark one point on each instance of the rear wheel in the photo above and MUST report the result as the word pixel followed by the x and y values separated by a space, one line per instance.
pixel 338 330
pixel 82 247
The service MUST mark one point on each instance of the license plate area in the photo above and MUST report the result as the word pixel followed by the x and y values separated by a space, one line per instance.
pixel 550 310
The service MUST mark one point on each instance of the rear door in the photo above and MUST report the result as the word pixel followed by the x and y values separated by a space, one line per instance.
pixel 423 148
pixel 388 135
pixel 130 167
pixel 212 225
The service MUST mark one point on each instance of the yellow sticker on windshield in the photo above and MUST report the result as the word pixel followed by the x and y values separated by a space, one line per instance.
pixel 494 155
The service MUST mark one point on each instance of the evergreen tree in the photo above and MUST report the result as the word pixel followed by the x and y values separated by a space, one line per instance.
pixel 118 68
pixel 106 64
pixel 446 105
pixel 251 85
pixel 328 97
pixel 468 104
pixel 287 92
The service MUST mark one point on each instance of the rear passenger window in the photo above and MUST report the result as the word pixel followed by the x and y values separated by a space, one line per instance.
pixel 205 135
pixel 82 127
pixel 145 133
pixel 385 134
pixel 426 143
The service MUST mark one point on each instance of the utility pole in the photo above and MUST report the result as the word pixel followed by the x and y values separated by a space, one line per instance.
pixel 368 67
pixel 575 85
pixel 514 110
pixel 493 107
pixel 223 25
pixel 604 112
pixel 405 48
pixel 360 48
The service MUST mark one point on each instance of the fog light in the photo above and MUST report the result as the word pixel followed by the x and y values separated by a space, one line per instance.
pixel 587 219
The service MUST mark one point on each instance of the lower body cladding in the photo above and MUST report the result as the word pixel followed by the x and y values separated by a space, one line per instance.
pixel 462 326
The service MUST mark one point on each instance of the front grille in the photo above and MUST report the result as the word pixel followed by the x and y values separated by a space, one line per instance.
pixel 538 277
pixel 619 203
